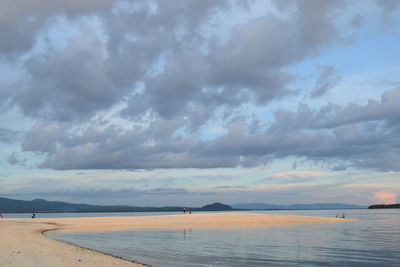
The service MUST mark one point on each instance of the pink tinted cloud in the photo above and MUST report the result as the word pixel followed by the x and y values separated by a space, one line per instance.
pixel 385 197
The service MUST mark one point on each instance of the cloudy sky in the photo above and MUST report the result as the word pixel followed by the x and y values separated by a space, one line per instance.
pixel 188 102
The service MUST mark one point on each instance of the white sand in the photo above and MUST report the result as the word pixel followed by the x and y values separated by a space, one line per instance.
pixel 23 244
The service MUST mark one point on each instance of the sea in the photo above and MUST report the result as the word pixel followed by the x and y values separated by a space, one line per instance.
pixel 374 240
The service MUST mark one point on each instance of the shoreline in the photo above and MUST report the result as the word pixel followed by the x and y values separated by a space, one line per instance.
pixel 92 250
pixel 24 243
pixel 28 245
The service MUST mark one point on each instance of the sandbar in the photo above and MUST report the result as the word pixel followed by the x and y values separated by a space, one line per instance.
pixel 24 244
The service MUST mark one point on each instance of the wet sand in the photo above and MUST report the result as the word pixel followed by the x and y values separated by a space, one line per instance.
pixel 23 242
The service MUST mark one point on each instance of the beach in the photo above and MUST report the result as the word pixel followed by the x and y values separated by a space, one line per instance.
pixel 24 244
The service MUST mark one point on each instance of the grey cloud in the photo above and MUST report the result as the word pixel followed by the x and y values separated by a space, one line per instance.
pixel 357 21
pixel 43 138
pixel 368 141
pixel 339 167
pixel 8 136
pixel 251 61
pixel 314 18
pixel 326 81
pixel 388 6
pixel 230 187
pixel 69 84
pixel 389 9
pixel 112 147
pixel 21 8
pixel 22 20
pixel 183 72
pixel 170 153
pixel 315 23
pixel 249 67
pixel 19 36
pixel 170 92
pixel 93 73
pixel 14 159
pixel 332 115
pixel 155 60
pixel 294 165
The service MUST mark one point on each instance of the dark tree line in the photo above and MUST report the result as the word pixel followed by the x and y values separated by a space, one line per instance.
pixel 385 206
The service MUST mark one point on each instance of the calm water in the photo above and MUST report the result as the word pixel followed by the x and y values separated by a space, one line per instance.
pixel 373 241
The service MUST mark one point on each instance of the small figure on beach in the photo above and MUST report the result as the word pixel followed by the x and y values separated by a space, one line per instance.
pixel 33 215
pixel 184 210
pixel 343 215
pixel 1 216
pixel 190 211
pixel 337 215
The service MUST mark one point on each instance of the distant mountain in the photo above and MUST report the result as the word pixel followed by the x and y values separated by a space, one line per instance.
pixel 385 206
pixel 40 205
pixel 316 206
pixel 256 206
pixel 216 206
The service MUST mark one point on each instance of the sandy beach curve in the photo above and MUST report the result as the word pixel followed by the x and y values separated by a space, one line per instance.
pixel 24 244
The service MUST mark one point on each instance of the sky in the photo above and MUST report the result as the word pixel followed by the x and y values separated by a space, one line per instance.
pixel 189 102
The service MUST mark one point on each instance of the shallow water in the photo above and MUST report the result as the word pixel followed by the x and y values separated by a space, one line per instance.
pixel 372 241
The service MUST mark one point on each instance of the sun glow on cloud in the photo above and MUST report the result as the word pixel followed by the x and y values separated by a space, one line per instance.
pixel 384 197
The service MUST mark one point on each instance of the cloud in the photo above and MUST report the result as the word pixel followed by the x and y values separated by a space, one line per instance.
pixel 365 138
pixel 68 84
pixel 388 6
pixel 327 80
pixel 249 66
pixel 164 48
pixel 299 175
pixel 333 115
pixel 101 66
pixel 14 159
pixel 21 21
pixel 229 187
pixel 384 197
pixel 8 136
pixel 138 83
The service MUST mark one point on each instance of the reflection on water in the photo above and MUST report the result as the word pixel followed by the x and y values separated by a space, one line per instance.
pixel 187 233
pixel 373 241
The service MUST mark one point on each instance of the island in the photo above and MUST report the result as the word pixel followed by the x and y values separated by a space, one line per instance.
pixel 385 206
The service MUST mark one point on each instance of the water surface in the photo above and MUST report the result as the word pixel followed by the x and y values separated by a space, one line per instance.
pixel 372 241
